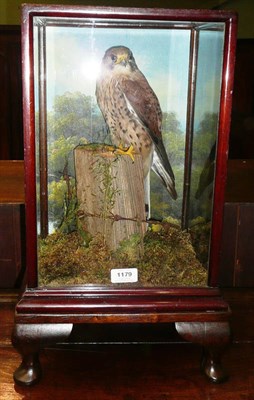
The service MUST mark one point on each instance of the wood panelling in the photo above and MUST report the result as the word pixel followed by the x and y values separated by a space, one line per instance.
pixel 244 267
pixel 242 126
pixel 237 247
pixel 237 250
pixel 227 259
pixel 11 257
pixel 12 182
pixel 11 223
pixel 240 178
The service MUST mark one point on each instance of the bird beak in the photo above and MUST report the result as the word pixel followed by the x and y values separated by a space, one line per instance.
pixel 121 60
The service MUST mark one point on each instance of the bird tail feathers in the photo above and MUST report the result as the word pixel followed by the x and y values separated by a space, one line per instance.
pixel 167 179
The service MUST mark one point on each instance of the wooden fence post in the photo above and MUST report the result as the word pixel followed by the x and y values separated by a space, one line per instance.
pixel 110 192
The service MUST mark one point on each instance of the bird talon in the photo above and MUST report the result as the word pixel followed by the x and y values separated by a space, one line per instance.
pixel 123 151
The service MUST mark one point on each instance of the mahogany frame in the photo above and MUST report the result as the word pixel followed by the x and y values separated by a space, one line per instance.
pixel 46 315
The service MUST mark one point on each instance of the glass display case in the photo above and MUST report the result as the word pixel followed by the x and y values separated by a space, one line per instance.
pixel 126 118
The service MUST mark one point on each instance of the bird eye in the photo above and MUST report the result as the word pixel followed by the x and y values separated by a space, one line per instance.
pixel 113 57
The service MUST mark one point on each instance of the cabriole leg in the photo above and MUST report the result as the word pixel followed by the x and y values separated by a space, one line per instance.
pixel 212 366
pixel 214 337
pixel 28 339
pixel 29 371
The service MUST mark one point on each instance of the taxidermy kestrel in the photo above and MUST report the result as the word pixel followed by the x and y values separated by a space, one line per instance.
pixel 132 113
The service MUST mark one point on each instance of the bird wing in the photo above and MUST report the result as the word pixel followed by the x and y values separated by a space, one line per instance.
pixel 144 102
pixel 146 105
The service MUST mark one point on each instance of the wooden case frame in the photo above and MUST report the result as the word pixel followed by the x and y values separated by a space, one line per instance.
pixel 46 315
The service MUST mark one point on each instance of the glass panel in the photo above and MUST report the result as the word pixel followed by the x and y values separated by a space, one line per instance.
pixel 206 118
pixel 111 164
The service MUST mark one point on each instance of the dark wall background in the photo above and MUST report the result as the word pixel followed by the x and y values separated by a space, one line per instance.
pixel 11 132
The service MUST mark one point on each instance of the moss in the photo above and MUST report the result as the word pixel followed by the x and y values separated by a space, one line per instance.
pixel 169 259
pixel 58 259
pixel 63 259
pixel 129 251
pixel 200 231
pixel 97 147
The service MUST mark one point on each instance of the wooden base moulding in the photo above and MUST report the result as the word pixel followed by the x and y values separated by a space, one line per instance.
pixel 46 317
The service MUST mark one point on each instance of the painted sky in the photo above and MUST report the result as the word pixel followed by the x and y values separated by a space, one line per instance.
pixel 74 55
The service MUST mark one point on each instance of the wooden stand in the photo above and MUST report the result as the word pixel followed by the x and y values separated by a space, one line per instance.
pixel 46 316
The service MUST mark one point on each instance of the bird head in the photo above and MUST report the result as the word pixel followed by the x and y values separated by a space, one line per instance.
pixel 119 58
